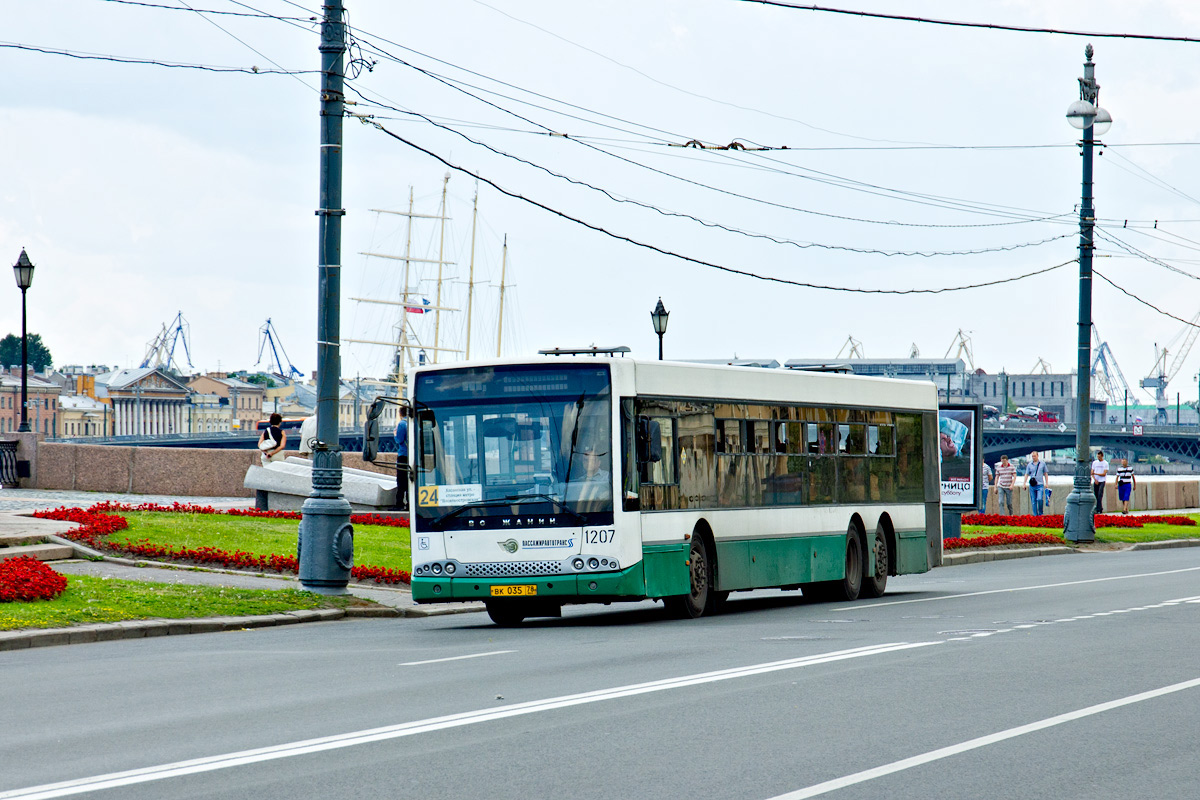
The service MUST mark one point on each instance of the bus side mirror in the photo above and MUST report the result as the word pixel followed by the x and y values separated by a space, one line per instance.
pixel 371 431
pixel 649 440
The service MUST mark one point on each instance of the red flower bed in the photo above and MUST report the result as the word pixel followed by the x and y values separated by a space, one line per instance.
pixel 26 578
pixel 95 525
pixel 191 508
pixel 1056 520
pixel 1000 539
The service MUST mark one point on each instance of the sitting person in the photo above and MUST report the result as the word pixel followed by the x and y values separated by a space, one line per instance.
pixel 272 441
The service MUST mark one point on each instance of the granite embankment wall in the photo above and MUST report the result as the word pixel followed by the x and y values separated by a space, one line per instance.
pixel 179 471
pixel 1153 493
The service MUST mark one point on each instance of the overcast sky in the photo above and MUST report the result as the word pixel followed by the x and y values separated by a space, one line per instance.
pixel 142 191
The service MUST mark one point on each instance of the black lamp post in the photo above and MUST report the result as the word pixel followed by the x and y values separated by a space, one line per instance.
pixel 23 270
pixel 1087 115
pixel 659 317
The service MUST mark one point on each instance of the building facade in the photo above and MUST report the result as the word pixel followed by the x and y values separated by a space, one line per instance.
pixel 245 400
pixel 42 396
pixel 145 401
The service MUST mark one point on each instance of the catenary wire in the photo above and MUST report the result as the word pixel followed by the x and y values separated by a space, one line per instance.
pixel 986 25
pixel 720 226
pixel 1146 303
pixel 701 262
pixel 453 83
pixel 154 62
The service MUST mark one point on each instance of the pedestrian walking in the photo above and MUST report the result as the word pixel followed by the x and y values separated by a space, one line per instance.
pixel 1126 483
pixel 1035 480
pixel 987 476
pixel 1099 475
pixel 1006 476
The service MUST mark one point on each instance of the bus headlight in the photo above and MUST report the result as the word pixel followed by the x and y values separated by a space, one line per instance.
pixel 437 569
pixel 577 563
pixel 450 567
pixel 593 563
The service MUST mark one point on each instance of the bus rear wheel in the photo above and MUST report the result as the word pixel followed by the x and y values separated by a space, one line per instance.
pixel 506 614
pixel 848 587
pixel 703 599
pixel 875 585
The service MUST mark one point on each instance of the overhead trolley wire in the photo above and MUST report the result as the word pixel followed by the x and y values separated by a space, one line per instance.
pixel 950 204
pixel 986 25
pixel 1146 303
pixel 718 225
pixel 700 262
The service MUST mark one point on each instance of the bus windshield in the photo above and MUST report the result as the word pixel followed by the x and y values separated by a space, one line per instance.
pixel 505 441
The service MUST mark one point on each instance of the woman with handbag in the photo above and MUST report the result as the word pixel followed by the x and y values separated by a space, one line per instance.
pixel 272 440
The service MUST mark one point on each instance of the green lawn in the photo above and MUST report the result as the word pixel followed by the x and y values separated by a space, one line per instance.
pixel 1147 533
pixel 374 545
pixel 90 599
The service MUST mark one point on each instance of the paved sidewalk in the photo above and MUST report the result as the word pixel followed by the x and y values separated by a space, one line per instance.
pixel 27 500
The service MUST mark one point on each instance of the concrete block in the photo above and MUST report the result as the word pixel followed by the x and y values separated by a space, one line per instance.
pixel 84 634
pixel 110 632
pixel 13 640
pixel 49 637
pixel 288 484
pixel 207 625
pixel 42 552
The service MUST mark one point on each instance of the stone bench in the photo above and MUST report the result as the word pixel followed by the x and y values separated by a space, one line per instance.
pixel 285 485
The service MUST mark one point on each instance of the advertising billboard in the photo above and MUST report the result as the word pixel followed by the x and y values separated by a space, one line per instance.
pixel 960 449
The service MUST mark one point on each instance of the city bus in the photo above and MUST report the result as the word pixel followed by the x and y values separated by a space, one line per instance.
pixel 577 479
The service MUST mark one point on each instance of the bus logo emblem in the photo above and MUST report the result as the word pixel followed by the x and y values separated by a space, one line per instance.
pixel 508 545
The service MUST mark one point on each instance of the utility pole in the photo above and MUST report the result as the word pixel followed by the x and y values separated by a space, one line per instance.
pixel 326 536
pixel 1086 114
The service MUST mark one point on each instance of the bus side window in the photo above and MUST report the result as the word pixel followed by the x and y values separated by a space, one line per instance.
pixel 629 457
pixel 729 436
pixel 662 470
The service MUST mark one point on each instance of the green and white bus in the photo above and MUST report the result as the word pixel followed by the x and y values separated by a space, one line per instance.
pixel 577 479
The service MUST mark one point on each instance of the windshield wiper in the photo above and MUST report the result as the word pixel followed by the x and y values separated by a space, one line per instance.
pixel 561 507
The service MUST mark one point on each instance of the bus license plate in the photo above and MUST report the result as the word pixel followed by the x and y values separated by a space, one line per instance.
pixel 526 590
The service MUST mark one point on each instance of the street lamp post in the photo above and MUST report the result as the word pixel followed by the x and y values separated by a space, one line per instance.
pixel 659 317
pixel 326 535
pixel 23 270
pixel 1087 115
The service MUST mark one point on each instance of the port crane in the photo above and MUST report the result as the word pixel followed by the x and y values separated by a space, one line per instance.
pixel 269 336
pixel 160 352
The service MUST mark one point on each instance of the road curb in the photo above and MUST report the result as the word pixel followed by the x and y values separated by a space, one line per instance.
pixel 954 559
pixel 144 628
pixel 1166 545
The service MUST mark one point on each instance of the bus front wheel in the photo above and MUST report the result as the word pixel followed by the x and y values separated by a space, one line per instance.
pixel 703 599
pixel 504 613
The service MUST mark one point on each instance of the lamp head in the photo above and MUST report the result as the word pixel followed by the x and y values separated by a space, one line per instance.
pixel 659 317
pixel 23 271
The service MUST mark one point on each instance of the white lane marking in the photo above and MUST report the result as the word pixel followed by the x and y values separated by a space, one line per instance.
pixel 982 741
pixel 860 606
pixel 453 658
pixel 181 768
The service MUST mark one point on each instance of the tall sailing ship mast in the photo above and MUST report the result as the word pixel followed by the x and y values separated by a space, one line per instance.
pixel 410 350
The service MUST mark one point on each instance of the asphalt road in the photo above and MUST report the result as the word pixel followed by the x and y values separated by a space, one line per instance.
pixel 1056 677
